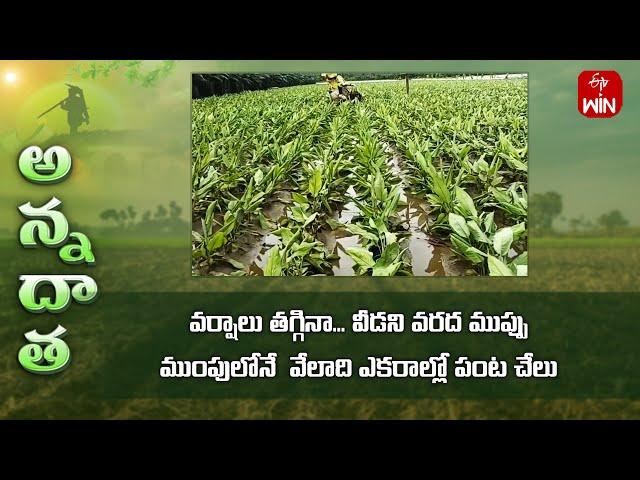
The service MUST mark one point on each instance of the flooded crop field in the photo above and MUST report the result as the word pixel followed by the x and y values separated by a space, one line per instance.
pixel 430 183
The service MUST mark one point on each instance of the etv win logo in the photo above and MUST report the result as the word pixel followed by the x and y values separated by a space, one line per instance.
pixel 599 93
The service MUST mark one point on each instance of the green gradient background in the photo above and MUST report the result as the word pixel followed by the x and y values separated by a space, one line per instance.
pixel 591 163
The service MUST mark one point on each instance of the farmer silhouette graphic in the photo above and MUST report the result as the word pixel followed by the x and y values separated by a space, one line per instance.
pixel 74 104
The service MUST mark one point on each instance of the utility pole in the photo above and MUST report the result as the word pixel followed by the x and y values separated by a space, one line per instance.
pixel 406 81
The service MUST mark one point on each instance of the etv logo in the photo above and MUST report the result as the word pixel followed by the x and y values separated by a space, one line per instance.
pixel 599 93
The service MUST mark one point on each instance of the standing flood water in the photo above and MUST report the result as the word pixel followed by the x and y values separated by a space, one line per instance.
pixel 426 258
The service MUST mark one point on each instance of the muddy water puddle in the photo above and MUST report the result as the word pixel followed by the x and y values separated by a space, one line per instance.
pixel 337 242
pixel 419 250
pixel 428 257
pixel 254 253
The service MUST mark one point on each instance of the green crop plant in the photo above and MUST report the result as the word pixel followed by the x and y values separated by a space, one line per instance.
pixel 378 203
pixel 323 181
pixel 477 238
pixel 513 201
pixel 483 174
pixel 299 253
pixel 389 263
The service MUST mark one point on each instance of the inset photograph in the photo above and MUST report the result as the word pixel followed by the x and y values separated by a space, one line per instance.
pixel 359 174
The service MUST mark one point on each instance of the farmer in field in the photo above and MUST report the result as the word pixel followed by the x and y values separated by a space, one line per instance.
pixel 336 82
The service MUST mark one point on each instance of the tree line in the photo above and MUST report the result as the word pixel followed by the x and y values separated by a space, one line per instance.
pixel 545 209
pixel 164 219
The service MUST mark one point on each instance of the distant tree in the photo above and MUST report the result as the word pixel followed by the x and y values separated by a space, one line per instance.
pixel 146 216
pixel 545 207
pixel 612 220
pixel 175 210
pixel 576 224
pixel 580 224
pixel 161 212
pixel 109 214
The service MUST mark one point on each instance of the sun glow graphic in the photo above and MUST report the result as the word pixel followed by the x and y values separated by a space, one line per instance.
pixel 11 77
